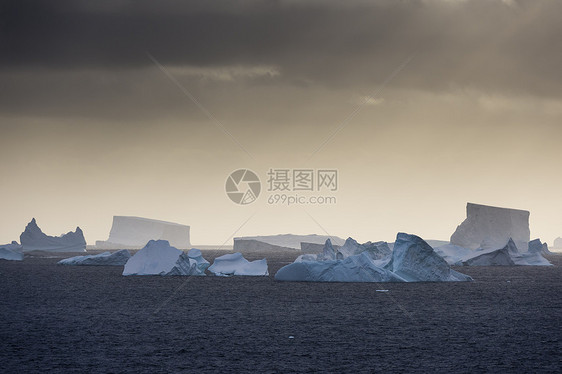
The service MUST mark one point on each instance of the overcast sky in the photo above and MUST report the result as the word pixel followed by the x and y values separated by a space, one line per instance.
pixel 144 108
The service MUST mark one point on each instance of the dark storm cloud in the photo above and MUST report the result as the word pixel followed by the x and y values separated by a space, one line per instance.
pixel 489 45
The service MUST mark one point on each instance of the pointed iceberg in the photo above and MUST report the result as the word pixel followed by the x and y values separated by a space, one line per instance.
pixel 33 239
pixel 415 261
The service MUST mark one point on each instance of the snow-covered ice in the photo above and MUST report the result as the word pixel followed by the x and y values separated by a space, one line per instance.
pixel 11 252
pixel 134 232
pixel 236 264
pixel 159 258
pixel 33 239
pixel 118 258
pixel 489 227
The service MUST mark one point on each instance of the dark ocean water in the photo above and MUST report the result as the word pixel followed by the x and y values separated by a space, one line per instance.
pixel 91 319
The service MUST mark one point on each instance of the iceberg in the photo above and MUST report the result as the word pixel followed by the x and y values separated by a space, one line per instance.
pixel 535 246
pixel 416 261
pixel 508 255
pixel 557 243
pixel 12 252
pixel 134 232
pixel 489 227
pixel 159 258
pixel 412 260
pixel 118 258
pixel 357 268
pixel 314 248
pixel 33 239
pixel 276 243
pixel 236 264
pixel 499 257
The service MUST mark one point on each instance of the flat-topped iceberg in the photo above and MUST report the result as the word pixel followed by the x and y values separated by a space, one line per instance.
pixel 134 232
pixel 277 243
pixel 159 258
pixel 236 264
pixel 12 252
pixel 412 260
pixel 118 258
pixel 489 227
pixel 33 239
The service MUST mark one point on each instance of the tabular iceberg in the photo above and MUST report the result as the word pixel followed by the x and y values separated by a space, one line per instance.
pixel 236 264
pixel 282 242
pixel 33 239
pixel 118 258
pixel 11 252
pixel 412 260
pixel 159 258
pixel 134 232
pixel 489 227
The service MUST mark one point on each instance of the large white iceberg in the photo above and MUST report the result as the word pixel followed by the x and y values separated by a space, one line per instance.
pixel 33 239
pixel 159 258
pixel 134 232
pixel 412 260
pixel 557 243
pixel 12 252
pixel 236 264
pixel 282 242
pixel 118 258
pixel 489 227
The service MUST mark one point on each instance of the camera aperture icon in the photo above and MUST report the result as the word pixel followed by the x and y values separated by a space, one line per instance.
pixel 243 186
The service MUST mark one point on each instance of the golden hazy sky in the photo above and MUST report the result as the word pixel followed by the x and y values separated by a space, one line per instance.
pixel 144 108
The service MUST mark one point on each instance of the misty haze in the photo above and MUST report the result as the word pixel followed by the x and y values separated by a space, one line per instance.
pixel 280 186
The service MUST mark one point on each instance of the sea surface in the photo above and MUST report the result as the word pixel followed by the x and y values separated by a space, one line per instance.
pixel 79 319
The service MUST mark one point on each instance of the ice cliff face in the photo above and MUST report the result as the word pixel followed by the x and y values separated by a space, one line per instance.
pixel 412 260
pixel 490 227
pixel 134 232
pixel 33 239
pixel 118 258
pixel 159 258
pixel 236 264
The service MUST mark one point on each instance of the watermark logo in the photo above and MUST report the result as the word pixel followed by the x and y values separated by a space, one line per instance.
pixel 243 186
